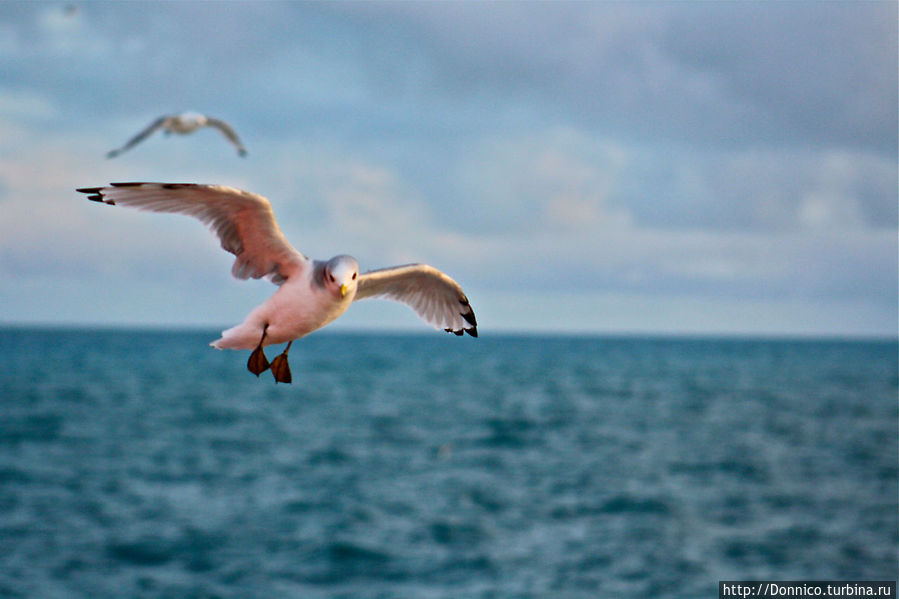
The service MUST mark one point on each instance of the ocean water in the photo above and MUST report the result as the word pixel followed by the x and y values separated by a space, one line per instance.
pixel 145 464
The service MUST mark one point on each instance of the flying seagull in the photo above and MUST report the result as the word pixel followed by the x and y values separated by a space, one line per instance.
pixel 311 293
pixel 183 124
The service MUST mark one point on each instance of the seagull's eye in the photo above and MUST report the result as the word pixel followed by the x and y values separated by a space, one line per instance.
pixel 330 276
pixel 354 276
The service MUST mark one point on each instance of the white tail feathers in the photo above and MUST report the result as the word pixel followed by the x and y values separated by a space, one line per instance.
pixel 240 337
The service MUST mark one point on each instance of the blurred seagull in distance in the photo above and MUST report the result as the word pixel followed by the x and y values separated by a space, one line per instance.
pixel 311 293
pixel 183 124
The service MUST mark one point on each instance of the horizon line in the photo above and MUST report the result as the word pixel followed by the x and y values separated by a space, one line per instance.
pixel 500 332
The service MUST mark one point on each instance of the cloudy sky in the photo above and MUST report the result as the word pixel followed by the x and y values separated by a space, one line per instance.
pixel 646 167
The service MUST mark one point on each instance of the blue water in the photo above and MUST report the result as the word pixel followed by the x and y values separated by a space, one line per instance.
pixel 145 464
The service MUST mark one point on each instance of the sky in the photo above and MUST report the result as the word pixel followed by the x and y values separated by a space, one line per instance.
pixel 712 168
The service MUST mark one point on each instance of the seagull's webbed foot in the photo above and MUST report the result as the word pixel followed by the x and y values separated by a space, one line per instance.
pixel 280 367
pixel 258 363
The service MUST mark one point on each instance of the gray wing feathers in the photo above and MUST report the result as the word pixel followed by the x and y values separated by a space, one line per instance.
pixel 226 129
pixel 157 124
pixel 433 295
pixel 243 222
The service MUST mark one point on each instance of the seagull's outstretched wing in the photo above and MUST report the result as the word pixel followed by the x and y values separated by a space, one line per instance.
pixel 152 128
pixel 243 221
pixel 434 296
pixel 228 132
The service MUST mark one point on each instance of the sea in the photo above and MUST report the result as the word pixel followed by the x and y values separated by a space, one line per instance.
pixel 142 463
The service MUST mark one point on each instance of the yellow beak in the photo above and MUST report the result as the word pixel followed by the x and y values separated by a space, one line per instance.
pixel 342 291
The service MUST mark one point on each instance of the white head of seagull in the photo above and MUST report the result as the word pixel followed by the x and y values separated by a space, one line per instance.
pixel 339 275
pixel 311 293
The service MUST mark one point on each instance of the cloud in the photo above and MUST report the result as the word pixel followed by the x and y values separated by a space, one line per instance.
pixel 676 153
pixel 17 104
pixel 826 75
pixel 371 213
pixel 557 180
pixel 565 178
pixel 722 74
pixel 761 189
pixel 728 266
pixel 635 313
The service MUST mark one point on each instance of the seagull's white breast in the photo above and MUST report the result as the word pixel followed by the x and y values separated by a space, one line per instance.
pixel 296 309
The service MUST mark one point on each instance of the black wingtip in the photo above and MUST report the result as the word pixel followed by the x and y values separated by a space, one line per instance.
pixel 468 315
pixel 473 331
pixel 95 194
